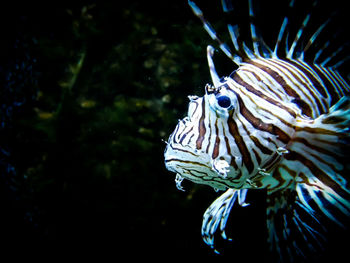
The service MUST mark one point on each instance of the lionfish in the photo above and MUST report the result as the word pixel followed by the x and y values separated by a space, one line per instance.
pixel 278 122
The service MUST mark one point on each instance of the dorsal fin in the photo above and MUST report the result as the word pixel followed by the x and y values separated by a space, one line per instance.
pixel 257 40
pixel 333 54
pixel 244 52
pixel 313 38
pixel 227 5
pixel 297 37
pixel 282 33
pixel 294 50
pixel 299 33
pixel 223 46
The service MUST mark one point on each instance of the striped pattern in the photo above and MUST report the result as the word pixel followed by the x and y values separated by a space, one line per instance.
pixel 270 94
pixel 278 123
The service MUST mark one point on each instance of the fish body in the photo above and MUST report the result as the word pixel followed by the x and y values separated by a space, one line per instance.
pixel 278 123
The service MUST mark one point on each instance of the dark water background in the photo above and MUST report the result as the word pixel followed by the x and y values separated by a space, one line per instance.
pixel 88 91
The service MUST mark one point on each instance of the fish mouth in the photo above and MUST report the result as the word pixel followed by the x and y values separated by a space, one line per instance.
pixel 190 163
pixel 170 166
pixel 197 168
pixel 194 171
pixel 183 166
pixel 178 157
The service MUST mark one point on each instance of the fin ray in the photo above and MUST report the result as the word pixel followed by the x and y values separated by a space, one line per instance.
pixel 212 33
pixel 218 212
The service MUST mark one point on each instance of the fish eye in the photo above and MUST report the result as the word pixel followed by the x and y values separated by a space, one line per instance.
pixel 224 101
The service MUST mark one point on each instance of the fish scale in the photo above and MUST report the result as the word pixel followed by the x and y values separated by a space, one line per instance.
pixel 279 123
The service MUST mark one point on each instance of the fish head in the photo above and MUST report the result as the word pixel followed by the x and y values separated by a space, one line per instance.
pixel 202 147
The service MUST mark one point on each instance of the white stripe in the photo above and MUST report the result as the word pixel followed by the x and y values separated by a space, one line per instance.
pixel 297 37
pixel 335 84
pixel 253 30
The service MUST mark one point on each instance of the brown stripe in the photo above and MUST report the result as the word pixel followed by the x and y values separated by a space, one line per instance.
pixel 259 79
pixel 315 83
pixel 305 108
pixel 209 135
pixel 260 125
pixel 279 177
pixel 311 77
pixel 217 141
pixel 271 163
pixel 258 93
pixel 258 144
pixel 328 85
pixel 227 143
pixel 184 135
pixel 233 129
pixel 190 139
pixel 185 161
pixel 316 148
pixel 174 134
pixel 194 111
pixel 316 130
pixel 201 127
pixel 316 172
pixel 257 157
pixel 278 78
pixel 181 150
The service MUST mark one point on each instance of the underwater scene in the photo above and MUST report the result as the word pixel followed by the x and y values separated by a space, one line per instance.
pixel 99 106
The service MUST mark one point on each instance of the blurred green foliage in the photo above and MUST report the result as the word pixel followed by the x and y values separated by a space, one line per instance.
pixel 113 79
